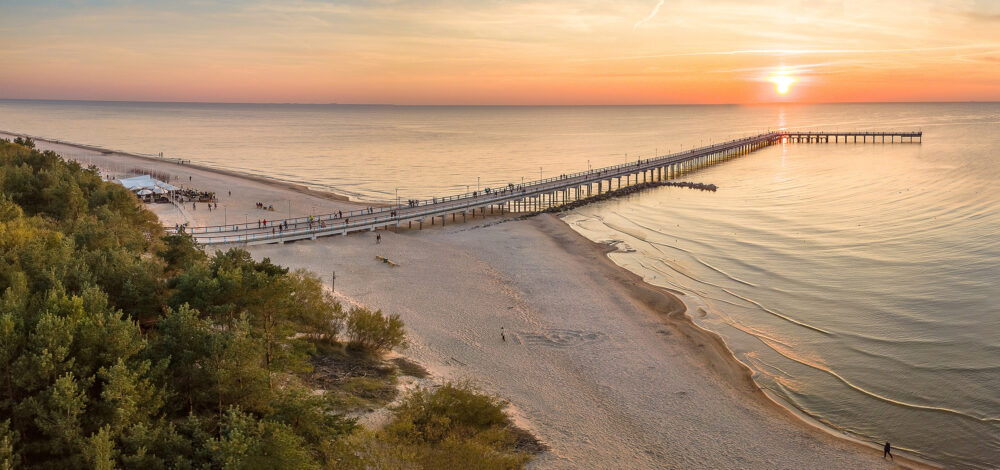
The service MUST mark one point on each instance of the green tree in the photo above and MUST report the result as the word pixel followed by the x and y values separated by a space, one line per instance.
pixel 247 443
pixel 374 331
pixel 9 458
pixel 100 452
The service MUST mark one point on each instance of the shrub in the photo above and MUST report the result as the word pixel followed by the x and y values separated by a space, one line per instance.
pixel 373 331
pixel 25 141
pixel 452 426
pixel 434 415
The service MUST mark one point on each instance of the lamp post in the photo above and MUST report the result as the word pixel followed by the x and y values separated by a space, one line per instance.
pixel 477 184
pixel 539 174
pixel 397 198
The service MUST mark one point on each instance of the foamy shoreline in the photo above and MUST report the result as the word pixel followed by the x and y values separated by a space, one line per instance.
pixel 481 273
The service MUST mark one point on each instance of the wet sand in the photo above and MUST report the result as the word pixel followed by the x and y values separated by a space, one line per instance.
pixel 608 371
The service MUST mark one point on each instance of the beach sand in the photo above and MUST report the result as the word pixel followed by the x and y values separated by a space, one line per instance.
pixel 606 370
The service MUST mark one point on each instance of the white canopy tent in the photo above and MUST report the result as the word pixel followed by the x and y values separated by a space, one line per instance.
pixel 144 185
pixel 146 182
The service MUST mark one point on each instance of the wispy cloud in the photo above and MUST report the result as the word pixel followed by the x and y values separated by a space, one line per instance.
pixel 653 13
pixel 792 52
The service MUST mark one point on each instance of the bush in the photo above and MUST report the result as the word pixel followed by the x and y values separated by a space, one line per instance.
pixel 25 141
pixel 452 426
pixel 434 415
pixel 373 331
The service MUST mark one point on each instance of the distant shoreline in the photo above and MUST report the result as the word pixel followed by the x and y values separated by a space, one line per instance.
pixel 666 304
pixel 485 105
pixel 221 171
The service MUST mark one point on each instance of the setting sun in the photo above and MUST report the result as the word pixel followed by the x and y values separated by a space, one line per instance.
pixel 782 83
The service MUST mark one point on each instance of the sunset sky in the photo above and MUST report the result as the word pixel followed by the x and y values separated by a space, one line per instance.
pixel 501 52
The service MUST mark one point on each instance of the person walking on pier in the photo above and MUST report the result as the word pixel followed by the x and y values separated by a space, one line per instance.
pixel 887 450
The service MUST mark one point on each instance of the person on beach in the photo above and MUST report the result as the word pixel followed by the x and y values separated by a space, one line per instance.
pixel 194 206
pixel 503 336
pixel 378 239
pixel 887 450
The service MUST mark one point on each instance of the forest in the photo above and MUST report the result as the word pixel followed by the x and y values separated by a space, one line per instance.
pixel 125 347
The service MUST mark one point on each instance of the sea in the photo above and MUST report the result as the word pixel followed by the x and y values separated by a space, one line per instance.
pixel 859 282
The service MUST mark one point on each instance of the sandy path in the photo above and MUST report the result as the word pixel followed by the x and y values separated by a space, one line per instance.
pixel 602 367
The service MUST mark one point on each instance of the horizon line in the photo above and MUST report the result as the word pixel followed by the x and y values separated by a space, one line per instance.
pixel 287 103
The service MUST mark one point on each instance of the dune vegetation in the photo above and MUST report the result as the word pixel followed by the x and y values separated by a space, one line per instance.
pixel 124 347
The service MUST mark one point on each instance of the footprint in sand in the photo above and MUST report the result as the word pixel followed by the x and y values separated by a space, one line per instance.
pixel 561 338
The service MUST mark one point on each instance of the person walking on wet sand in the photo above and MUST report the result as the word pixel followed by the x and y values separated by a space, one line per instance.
pixel 887 450
pixel 378 238
pixel 503 336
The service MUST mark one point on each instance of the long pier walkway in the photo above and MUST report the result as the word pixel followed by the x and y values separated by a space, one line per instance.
pixel 528 197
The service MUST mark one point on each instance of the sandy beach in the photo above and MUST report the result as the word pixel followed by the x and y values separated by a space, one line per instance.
pixel 606 370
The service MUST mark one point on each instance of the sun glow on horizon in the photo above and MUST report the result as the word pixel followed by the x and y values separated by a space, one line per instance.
pixel 782 82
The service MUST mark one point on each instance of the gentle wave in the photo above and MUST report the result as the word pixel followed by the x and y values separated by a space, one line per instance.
pixel 862 390
pixel 778 314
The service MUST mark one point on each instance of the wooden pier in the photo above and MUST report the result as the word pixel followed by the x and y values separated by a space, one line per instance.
pixel 528 197
pixel 874 137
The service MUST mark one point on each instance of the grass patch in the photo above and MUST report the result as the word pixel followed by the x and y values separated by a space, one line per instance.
pixel 353 379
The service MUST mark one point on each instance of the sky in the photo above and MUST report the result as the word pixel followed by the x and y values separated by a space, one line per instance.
pixel 501 52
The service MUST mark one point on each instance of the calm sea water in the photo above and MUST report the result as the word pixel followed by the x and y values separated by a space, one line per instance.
pixel 859 282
